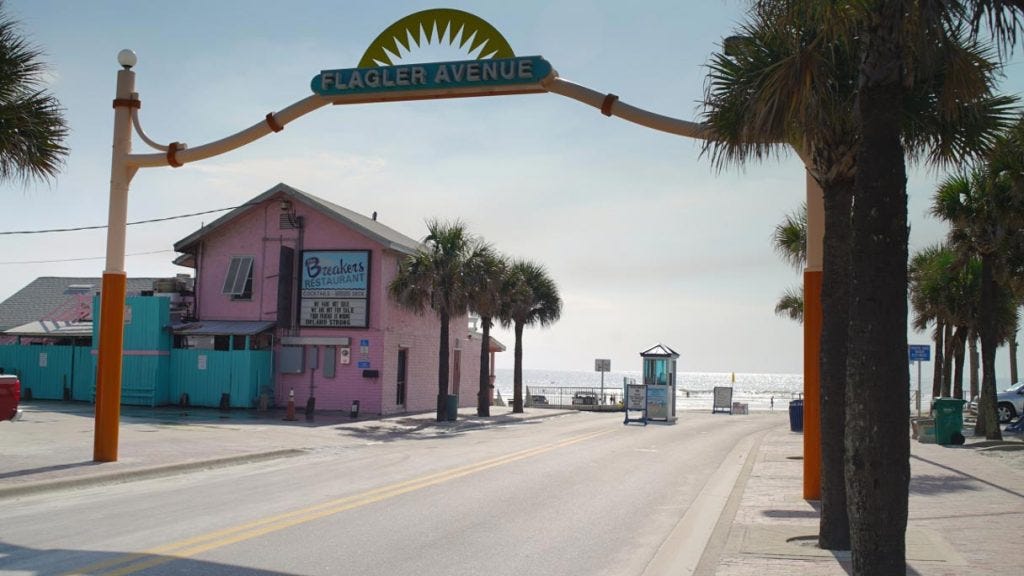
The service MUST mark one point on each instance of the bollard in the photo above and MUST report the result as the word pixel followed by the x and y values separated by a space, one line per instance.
pixel 290 412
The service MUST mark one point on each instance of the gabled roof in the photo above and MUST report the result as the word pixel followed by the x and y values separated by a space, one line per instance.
pixel 659 351
pixel 368 227
pixel 49 293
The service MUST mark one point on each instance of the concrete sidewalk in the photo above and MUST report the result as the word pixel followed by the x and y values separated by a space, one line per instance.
pixel 966 508
pixel 966 502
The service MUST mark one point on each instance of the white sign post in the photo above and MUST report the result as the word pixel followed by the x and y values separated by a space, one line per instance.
pixel 602 365
pixel 918 353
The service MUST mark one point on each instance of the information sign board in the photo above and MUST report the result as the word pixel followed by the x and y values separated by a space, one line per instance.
pixel 920 353
pixel 334 289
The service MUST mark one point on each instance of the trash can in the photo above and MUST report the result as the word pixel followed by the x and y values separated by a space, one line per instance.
pixel 796 415
pixel 949 420
pixel 451 405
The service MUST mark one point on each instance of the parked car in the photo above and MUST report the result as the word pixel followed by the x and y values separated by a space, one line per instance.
pixel 584 398
pixel 1009 403
pixel 10 396
pixel 538 399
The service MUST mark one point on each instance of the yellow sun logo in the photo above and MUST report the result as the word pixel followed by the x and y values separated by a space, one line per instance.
pixel 446 25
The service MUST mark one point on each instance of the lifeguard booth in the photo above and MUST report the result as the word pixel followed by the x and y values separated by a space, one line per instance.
pixel 660 382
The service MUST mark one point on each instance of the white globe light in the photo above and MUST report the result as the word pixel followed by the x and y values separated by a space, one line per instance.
pixel 127 58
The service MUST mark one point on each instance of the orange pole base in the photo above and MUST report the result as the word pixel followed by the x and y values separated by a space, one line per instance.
pixel 108 374
pixel 812 385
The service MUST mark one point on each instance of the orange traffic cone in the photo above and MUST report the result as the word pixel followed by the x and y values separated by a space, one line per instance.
pixel 290 412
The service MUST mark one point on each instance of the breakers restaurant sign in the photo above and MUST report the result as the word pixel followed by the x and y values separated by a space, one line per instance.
pixel 335 289
pixel 438 79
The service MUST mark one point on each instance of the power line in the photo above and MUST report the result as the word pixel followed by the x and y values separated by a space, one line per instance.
pixel 80 259
pixel 150 221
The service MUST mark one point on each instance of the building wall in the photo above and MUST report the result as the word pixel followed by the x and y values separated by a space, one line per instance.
pixel 257 233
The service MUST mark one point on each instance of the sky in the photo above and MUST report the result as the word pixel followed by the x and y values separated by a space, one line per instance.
pixel 647 241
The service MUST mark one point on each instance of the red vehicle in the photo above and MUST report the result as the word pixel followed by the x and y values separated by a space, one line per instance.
pixel 10 395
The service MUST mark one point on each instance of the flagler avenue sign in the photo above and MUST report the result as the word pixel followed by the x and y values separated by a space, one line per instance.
pixel 463 78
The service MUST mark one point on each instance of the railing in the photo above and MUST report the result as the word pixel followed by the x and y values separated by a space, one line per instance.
pixel 574 397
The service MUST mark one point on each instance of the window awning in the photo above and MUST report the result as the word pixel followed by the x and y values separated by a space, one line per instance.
pixel 223 327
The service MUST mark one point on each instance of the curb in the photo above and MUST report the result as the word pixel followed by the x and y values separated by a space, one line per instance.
pixel 144 473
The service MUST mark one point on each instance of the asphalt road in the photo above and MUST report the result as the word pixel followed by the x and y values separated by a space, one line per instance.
pixel 579 494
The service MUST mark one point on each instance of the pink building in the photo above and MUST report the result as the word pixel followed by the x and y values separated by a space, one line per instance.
pixel 310 278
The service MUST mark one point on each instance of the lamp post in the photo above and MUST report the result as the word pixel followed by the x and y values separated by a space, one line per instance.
pixel 112 295
pixel 123 167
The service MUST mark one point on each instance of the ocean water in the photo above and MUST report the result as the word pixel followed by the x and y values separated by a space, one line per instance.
pixel 694 390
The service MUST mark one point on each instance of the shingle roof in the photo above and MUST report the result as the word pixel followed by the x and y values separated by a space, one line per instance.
pixel 369 227
pixel 49 293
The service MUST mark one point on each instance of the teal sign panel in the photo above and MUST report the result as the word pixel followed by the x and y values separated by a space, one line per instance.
pixel 436 76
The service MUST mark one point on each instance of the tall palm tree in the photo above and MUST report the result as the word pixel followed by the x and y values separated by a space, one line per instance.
pixel 791 76
pixel 986 213
pixel 878 477
pixel 435 277
pixel 486 279
pixel 32 127
pixel 532 300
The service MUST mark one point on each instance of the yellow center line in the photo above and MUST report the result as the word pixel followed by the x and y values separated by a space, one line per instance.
pixel 191 546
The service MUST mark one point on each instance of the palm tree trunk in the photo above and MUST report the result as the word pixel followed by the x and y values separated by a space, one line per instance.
pixel 517 371
pixel 483 403
pixel 975 363
pixel 988 421
pixel 834 525
pixel 443 368
pixel 947 365
pixel 940 331
pixel 877 407
pixel 959 346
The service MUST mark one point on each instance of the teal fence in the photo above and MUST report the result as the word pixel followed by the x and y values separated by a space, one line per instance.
pixel 207 374
pixel 47 370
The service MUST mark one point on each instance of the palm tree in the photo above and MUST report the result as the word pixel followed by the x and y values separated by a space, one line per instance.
pixel 985 212
pixel 435 277
pixel 790 242
pixel 878 477
pixel 486 280
pixel 791 304
pixel 944 289
pixel 32 127
pixel 791 76
pixel 532 300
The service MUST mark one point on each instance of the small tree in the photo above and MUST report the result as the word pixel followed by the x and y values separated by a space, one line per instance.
pixel 532 299
pixel 486 275
pixel 435 277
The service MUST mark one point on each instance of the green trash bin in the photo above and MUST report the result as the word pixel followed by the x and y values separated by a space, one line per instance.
pixel 949 420
pixel 452 407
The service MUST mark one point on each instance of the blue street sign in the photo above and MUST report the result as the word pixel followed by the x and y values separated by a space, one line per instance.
pixel 364 342
pixel 475 77
pixel 920 352
pixel 363 364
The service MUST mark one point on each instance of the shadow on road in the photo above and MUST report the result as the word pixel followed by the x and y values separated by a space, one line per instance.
pixel 61 561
